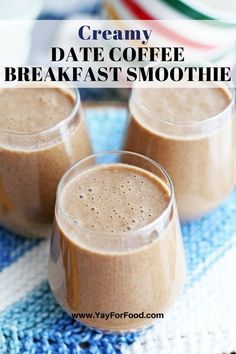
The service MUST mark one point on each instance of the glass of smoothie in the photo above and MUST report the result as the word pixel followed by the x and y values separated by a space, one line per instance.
pixel 116 249
pixel 190 132
pixel 42 134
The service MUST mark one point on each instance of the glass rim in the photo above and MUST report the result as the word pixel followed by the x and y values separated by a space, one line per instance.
pixel 133 233
pixel 189 124
pixel 54 127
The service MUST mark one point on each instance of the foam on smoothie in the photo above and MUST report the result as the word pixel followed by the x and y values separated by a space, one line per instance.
pixel 29 110
pixel 115 198
pixel 182 105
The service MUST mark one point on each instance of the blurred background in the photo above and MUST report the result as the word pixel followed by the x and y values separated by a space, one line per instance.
pixel 213 41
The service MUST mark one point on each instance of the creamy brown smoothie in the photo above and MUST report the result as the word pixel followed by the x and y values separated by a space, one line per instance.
pixel 42 134
pixel 189 131
pixel 117 260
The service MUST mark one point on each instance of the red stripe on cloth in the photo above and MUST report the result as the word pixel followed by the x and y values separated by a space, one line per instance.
pixel 142 14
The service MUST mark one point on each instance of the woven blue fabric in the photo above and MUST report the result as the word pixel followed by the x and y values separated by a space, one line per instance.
pixel 37 324
pixel 12 247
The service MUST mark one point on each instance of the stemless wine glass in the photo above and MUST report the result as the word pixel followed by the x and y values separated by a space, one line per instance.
pixel 198 155
pixel 128 276
pixel 32 164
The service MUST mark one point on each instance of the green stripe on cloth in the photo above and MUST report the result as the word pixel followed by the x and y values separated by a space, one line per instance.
pixel 223 55
pixel 195 14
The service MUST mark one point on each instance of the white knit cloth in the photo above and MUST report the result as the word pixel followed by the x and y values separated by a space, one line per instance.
pixel 203 321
